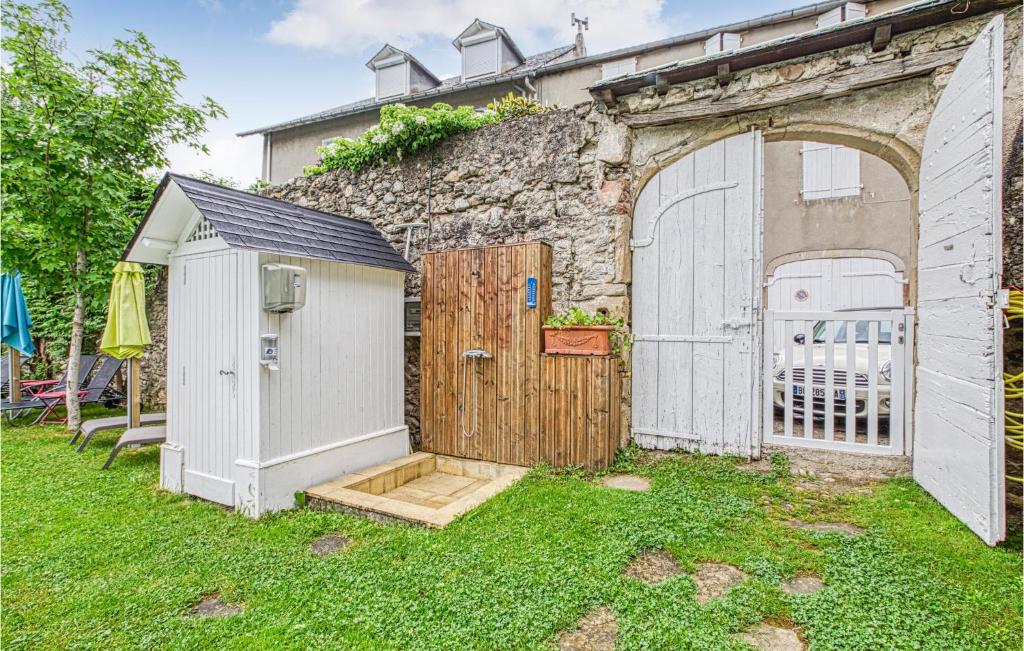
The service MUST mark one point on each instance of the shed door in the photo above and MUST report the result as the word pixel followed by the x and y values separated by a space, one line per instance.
pixel 696 260
pixel 207 338
pixel 958 446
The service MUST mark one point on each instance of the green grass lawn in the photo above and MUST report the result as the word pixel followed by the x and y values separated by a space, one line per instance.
pixel 94 559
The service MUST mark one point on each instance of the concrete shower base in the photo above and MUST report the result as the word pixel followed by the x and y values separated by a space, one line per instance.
pixel 424 488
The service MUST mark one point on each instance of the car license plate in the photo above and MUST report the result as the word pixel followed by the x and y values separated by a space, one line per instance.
pixel 819 392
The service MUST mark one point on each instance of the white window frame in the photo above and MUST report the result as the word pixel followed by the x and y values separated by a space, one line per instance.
pixel 828 157
pixel 618 67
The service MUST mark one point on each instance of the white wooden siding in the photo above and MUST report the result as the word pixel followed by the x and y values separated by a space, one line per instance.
pixel 958 443
pixel 616 68
pixel 695 306
pixel 393 80
pixel 722 42
pixel 829 171
pixel 341 362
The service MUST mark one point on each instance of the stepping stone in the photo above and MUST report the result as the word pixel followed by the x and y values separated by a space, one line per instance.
pixel 653 567
pixel 770 637
pixel 627 482
pixel 213 606
pixel 826 527
pixel 597 631
pixel 715 580
pixel 329 544
pixel 807 584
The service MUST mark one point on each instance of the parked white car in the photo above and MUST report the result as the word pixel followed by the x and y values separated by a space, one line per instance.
pixel 796 386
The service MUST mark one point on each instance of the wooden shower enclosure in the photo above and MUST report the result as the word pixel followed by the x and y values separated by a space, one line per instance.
pixel 529 407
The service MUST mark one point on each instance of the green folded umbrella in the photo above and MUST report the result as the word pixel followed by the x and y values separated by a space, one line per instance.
pixel 127 332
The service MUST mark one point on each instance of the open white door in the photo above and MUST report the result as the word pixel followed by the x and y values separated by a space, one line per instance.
pixel 958 432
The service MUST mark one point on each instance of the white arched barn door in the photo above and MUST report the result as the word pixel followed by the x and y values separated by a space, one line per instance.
pixel 958 439
pixel 696 262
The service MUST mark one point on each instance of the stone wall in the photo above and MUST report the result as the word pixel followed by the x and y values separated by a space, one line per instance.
pixel 547 177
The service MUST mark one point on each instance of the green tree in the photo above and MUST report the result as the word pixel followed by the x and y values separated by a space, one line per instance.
pixel 77 140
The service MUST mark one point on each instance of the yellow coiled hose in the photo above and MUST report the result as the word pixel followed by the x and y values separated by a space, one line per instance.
pixel 1013 386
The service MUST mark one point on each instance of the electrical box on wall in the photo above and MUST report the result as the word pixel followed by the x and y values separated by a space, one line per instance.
pixel 284 287
pixel 412 317
pixel 270 351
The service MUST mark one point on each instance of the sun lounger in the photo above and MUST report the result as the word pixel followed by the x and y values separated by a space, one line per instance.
pixel 34 387
pixel 99 389
pixel 91 427
pixel 135 437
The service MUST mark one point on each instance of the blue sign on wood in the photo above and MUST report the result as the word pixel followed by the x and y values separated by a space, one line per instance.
pixel 531 292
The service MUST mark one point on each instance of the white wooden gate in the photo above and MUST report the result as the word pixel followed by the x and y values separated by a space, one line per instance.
pixel 696 264
pixel 958 446
pixel 854 397
pixel 830 284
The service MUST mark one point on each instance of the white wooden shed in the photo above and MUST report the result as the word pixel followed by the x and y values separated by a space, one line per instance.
pixel 245 429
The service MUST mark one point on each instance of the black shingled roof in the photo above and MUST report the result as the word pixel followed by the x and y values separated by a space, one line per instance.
pixel 248 221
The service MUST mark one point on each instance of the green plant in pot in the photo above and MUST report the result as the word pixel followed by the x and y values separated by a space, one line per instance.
pixel 578 332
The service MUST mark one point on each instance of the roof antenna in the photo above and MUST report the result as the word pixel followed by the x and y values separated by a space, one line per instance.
pixel 580 24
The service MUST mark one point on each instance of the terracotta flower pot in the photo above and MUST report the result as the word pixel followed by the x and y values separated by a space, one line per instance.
pixel 578 340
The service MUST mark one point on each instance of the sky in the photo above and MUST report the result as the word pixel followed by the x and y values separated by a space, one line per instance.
pixel 267 61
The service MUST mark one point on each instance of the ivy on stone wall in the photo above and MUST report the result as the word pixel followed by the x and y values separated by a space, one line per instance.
pixel 402 130
pixel 406 130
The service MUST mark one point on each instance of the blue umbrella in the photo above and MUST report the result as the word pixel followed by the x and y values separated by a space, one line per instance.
pixel 15 323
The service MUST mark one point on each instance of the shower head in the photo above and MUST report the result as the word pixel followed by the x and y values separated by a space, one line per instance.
pixel 477 353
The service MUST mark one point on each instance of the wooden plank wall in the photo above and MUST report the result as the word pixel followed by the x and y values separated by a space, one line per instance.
pixel 476 298
pixel 581 401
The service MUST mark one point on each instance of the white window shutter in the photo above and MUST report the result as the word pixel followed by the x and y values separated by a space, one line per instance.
pixel 480 59
pixel 730 41
pixel 829 18
pixel 817 168
pixel 829 171
pixel 722 42
pixel 616 68
pixel 392 80
pixel 845 171
pixel 842 13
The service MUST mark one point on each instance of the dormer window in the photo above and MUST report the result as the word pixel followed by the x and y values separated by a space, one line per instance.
pixel 398 73
pixel 842 13
pixel 486 50
pixel 722 42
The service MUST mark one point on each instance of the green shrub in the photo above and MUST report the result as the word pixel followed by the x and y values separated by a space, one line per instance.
pixel 402 130
pixel 511 107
